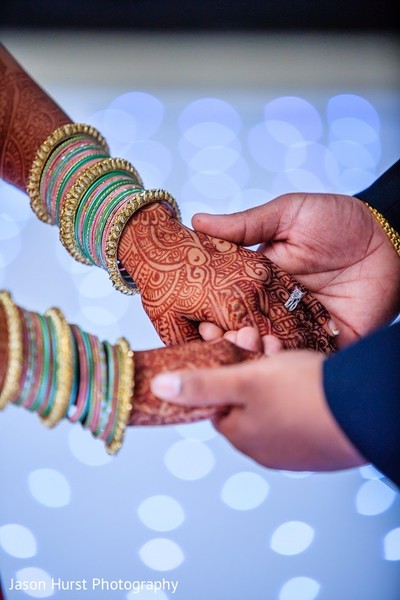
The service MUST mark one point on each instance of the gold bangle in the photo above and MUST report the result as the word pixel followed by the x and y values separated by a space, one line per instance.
pixel 126 386
pixel 64 368
pixel 392 234
pixel 45 149
pixel 14 363
pixel 74 196
pixel 137 201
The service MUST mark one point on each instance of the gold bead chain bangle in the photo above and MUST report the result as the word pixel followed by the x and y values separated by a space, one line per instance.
pixel 392 234
pixel 64 368
pixel 126 385
pixel 43 153
pixel 136 202
pixel 74 196
pixel 14 363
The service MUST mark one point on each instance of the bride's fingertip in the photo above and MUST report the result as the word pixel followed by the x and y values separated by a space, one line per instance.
pixel 210 332
pixel 249 338
pixel 231 336
pixel 333 329
pixel 271 345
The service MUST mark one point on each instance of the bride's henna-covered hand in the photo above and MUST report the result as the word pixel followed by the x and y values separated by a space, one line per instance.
pixel 333 244
pixel 150 410
pixel 185 278
pixel 147 409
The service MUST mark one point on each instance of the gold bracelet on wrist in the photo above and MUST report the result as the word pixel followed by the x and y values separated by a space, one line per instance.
pixel 392 234
pixel 14 362
pixel 43 153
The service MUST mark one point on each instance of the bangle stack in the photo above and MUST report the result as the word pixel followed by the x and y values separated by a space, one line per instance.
pixel 392 234
pixel 60 371
pixel 73 183
pixel 60 149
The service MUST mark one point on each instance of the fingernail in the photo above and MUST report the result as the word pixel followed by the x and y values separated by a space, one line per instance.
pixel 166 386
pixel 333 327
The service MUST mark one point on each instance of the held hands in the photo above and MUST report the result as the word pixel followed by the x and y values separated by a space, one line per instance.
pixel 271 409
pixel 185 278
pixel 150 410
pixel 274 410
pixel 332 244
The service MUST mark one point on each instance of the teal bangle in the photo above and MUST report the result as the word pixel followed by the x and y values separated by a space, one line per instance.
pixel 96 213
pixel 109 389
pixel 83 207
pixel 104 220
pixel 89 207
pixel 82 235
pixel 104 389
pixel 74 169
pixel 52 372
pixel 41 402
pixel 74 198
pixel 89 395
pixel 93 383
pixel 64 368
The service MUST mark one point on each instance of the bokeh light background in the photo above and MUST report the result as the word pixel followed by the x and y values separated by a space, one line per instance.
pixel 179 502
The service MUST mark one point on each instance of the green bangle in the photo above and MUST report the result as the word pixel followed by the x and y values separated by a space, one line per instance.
pixel 64 368
pixel 74 198
pixel 44 375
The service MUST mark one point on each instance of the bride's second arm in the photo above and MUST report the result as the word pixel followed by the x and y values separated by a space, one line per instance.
pixel 60 371
pixel 27 117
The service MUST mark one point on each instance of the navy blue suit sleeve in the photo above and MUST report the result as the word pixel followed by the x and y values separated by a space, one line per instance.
pixel 362 387
pixel 362 382
pixel 384 195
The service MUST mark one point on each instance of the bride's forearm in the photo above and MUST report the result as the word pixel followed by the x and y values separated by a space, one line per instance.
pixel 27 117
pixel 153 240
